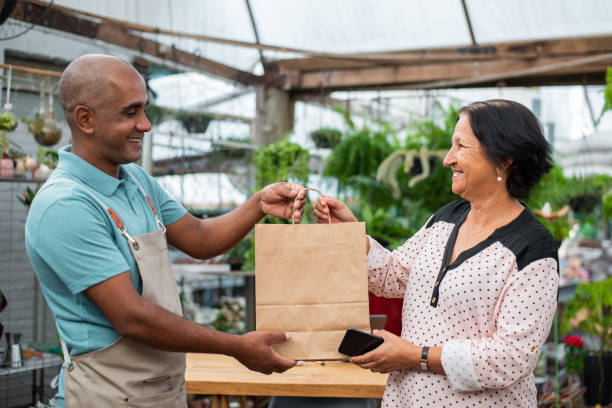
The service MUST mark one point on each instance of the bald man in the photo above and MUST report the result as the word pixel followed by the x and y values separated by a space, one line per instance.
pixel 96 236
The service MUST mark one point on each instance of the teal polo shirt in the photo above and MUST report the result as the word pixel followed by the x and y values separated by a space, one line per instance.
pixel 73 244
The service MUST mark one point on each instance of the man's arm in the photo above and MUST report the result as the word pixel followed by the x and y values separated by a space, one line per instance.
pixel 213 236
pixel 144 322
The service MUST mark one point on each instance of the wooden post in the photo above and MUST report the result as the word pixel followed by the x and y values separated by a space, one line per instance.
pixel 274 115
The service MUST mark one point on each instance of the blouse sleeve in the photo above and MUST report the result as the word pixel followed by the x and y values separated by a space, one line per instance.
pixel 388 270
pixel 523 319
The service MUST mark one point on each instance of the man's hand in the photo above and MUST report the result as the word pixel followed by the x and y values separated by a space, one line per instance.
pixel 393 355
pixel 339 211
pixel 256 352
pixel 283 200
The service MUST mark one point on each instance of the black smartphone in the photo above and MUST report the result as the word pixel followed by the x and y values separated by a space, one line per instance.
pixel 357 342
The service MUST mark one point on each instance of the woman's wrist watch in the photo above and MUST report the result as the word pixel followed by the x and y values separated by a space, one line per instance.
pixel 424 365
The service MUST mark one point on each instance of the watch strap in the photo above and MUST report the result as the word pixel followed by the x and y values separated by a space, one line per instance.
pixel 424 365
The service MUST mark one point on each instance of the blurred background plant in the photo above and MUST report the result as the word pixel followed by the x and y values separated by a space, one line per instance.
pixel 27 197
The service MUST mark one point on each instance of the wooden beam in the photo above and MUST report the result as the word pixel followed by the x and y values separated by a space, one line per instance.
pixel 446 74
pixel 33 71
pixel 560 47
pixel 114 34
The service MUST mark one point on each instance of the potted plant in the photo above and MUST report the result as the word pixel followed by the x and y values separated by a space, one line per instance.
pixel 47 161
pixel 590 310
pixel 326 138
pixel 195 122
pixel 6 160
pixel 45 129
pixel 155 113
pixel 27 197
pixel 8 121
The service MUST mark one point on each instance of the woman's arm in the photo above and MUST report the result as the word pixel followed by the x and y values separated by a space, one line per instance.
pixel 523 317
pixel 396 354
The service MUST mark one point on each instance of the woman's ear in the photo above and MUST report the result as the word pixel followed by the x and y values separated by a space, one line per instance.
pixel 85 119
pixel 506 163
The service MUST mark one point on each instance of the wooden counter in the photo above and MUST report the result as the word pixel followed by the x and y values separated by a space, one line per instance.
pixel 221 375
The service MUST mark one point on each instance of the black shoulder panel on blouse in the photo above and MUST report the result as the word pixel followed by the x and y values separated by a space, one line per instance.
pixel 452 212
pixel 529 240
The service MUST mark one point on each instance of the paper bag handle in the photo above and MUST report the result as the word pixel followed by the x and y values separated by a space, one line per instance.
pixel 306 189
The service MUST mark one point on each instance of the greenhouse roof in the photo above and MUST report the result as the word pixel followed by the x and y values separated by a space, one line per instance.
pixel 321 45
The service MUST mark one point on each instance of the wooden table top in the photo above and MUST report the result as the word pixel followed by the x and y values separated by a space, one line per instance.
pixel 218 374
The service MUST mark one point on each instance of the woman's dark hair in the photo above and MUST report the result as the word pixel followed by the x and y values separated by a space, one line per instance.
pixel 506 130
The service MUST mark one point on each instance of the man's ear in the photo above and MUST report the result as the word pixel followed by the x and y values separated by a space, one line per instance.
pixel 85 119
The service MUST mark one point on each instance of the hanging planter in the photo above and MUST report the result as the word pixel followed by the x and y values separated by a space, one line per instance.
pixel 8 121
pixel 44 127
pixel 326 138
pixel 195 122
pixel 155 113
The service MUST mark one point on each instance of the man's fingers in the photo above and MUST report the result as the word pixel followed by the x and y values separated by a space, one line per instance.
pixel 284 364
pixel 277 337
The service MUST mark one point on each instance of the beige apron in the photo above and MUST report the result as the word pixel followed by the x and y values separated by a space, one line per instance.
pixel 127 373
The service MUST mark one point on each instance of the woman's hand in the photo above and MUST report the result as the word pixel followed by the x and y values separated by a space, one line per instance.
pixel 330 206
pixel 393 355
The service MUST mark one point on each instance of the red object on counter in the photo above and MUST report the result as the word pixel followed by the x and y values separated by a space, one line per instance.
pixel 390 307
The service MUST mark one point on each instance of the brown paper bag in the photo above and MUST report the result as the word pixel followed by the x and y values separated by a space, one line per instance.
pixel 311 281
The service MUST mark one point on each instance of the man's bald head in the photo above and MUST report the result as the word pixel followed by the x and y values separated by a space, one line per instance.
pixel 88 79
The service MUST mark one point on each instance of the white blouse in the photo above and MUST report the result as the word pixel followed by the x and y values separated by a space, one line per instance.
pixel 491 310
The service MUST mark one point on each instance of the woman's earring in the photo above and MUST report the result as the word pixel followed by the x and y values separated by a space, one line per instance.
pixel 499 177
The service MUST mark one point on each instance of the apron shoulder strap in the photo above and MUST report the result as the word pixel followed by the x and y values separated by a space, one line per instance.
pixel 113 216
pixel 144 193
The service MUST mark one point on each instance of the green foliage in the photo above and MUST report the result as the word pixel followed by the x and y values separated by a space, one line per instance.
pixel 5 145
pixel 155 113
pixel 435 191
pixel 574 355
pixel 355 160
pixel 384 225
pixel 8 121
pixel 6 151
pixel 281 161
pixel 230 317
pixel 48 157
pixel 607 205
pixel 591 306
pixel 583 195
pixel 27 197
pixel 607 95
pixel 35 126
pixel 194 122
pixel 326 138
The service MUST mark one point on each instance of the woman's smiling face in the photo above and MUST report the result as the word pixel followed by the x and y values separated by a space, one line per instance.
pixel 474 175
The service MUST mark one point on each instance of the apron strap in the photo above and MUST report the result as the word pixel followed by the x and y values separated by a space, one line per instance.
pixel 144 193
pixel 120 226
pixel 112 214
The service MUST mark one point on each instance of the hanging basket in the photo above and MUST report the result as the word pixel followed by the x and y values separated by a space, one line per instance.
pixel 195 122
pixel 326 138
pixel 46 131
pixel 8 121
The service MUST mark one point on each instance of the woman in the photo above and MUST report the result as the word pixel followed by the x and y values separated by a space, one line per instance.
pixel 479 280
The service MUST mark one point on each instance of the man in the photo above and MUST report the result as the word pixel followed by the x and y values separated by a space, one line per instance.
pixel 95 236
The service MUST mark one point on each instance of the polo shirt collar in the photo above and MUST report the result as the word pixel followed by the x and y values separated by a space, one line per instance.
pixel 90 175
